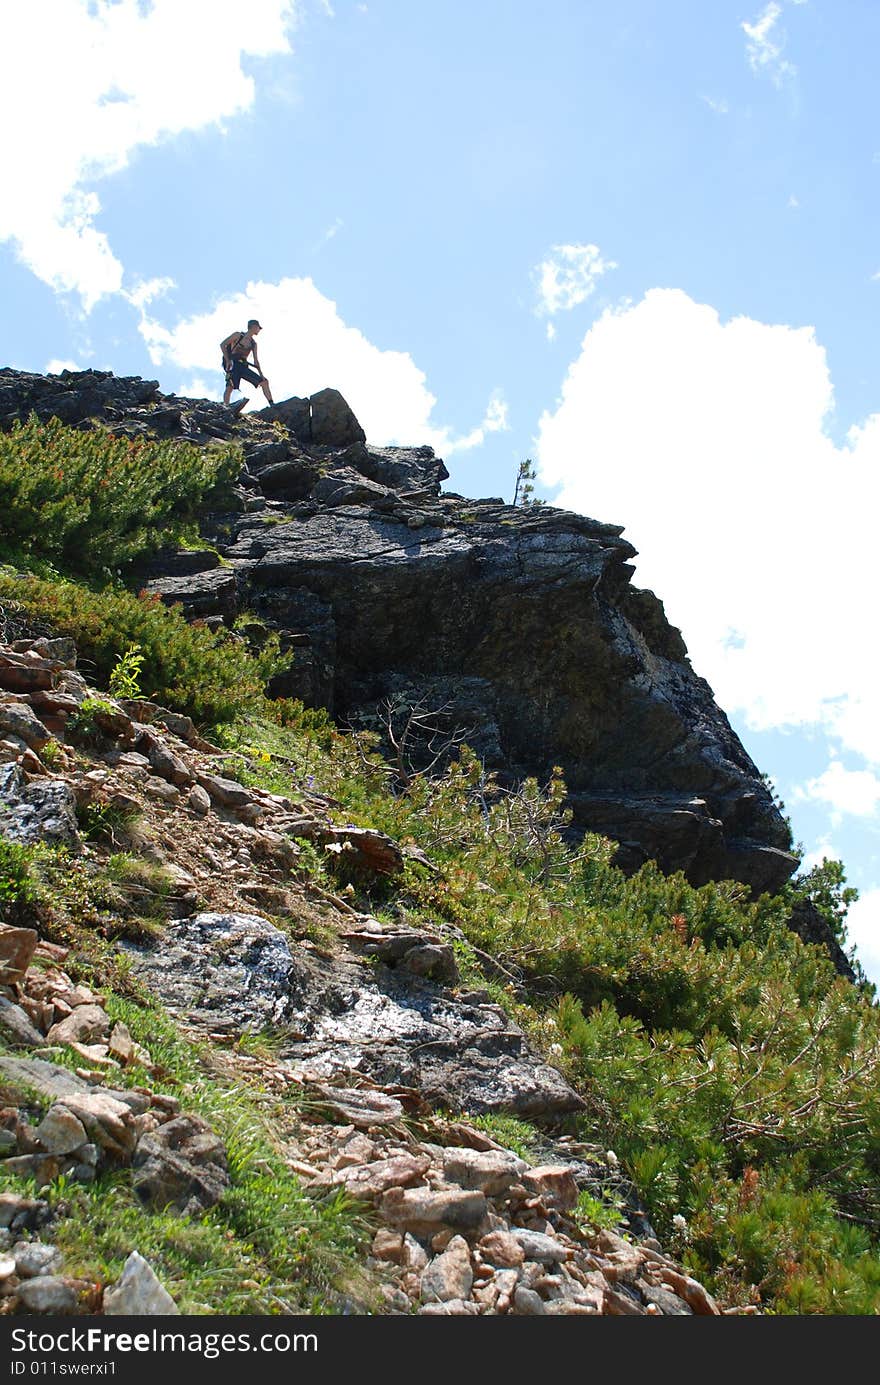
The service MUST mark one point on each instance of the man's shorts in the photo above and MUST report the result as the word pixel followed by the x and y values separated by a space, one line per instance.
pixel 240 370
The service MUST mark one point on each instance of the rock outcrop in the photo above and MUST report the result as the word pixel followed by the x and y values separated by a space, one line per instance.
pixel 521 624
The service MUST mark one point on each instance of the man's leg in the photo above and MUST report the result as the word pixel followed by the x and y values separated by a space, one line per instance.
pixel 264 386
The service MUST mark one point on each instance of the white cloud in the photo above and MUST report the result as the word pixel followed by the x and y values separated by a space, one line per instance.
pixel 863 929
pixel 55 367
pixel 568 276
pixel 854 791
pixel 147 291
pixel 707 438
pixel 332 230
pixel 91 81
pixel 197 387
pixel 823 851
pixel 765 44
pixel 494 421
pixel 304 347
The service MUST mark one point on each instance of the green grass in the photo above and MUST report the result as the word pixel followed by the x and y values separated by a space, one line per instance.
pixel 267 1248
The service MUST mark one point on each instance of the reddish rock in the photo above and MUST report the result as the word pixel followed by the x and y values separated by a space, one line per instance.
pixel 491 1172
pixel 84 1025
pixel 449 1276
pixel 554 1184
pixel 371 1180
pixel 60 1131
pixel 501 1249
pixel 422 1211
pixel 17 947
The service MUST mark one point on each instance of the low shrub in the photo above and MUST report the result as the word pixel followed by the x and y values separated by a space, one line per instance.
pixel 207 674
pixel 92 503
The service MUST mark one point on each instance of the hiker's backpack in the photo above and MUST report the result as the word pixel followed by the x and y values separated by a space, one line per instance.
pixel 234 344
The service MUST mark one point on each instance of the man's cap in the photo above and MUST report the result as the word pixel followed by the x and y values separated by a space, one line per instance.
pixel 254 323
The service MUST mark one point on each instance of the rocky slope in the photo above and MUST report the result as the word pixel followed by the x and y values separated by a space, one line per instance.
pixel 519 627
pixel 370 1026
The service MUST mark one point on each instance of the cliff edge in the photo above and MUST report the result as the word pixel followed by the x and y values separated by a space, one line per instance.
pixel 518 627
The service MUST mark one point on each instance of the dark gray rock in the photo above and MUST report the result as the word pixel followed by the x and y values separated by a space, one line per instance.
pixel 43 810
pixel 74 396
pixel 184 562
pixel 813 927
pixel 410 470
pixel 16 1028
pixel 229 970
pixel 182 1165
pixel 199 593
pixel 345 487
pixel 294 414
pixel 291 479
pixel 333 422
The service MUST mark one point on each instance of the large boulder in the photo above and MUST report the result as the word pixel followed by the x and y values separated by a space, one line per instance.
pixel 181 1165
pixel 333 422
pixel 42 811
pixel 229 970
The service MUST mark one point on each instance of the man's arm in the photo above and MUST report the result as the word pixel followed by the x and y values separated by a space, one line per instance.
pixel 225 345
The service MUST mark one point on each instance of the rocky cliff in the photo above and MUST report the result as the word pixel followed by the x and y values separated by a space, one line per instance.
pixel 517 626
pixel 240 979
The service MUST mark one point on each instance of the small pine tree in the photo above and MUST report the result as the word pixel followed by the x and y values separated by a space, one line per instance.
pixel 524 491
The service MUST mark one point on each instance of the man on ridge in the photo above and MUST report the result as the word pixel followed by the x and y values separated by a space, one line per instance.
pixel 236 348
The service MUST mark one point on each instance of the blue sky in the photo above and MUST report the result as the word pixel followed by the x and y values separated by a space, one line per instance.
pixel 634 241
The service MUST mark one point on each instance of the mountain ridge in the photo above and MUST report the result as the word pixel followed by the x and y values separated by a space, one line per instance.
pixel 387 590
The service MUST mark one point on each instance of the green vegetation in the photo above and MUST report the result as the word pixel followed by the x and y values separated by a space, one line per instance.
pixel 524 490
pixel 125 675
pixel 729 1068
pixel 92 503
pixel 17 889
pixel 206 674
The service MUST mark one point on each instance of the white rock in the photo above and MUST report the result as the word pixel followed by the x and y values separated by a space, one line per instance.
pixel 138 1293
pixel 34 1259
